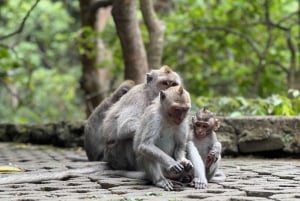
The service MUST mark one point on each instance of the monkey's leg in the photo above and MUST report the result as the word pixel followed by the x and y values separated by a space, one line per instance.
pixel 154 172
pixel 218 177
pixel 199 180
pixel 93 143
pixel 120 155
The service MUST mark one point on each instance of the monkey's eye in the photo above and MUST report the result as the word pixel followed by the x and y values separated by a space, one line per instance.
pixel 205 126
pixel 201 125
pixel 165 83
pixel 174 84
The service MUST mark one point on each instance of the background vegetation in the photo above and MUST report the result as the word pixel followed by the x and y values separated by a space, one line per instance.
pixel 236 57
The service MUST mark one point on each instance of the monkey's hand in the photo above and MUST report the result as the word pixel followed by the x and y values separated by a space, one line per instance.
pixel 200 183
pixel 187 164
pixel 211 158
pixel 165 184
pixel 177 167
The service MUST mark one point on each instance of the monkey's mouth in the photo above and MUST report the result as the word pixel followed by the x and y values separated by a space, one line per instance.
pixel 201 135
pixel 177 121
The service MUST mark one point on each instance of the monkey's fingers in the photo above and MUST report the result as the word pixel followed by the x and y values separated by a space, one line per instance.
pixel 177 168
pixel 209 160
pixel 165 184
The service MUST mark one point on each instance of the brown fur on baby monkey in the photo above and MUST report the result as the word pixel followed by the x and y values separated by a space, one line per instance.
pixel 205 124
pixel 204 149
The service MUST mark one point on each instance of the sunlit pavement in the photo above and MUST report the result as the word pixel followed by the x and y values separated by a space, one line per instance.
pixel 247 179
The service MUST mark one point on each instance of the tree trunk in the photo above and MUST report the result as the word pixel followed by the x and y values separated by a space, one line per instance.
pixel 156 34
pixel 103 54
pixel 134 54
pixel 90 80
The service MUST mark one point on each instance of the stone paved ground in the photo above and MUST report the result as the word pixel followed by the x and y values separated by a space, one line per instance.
pixel 247 179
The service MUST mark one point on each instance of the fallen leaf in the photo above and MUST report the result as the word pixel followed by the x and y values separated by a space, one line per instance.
pixel 7 168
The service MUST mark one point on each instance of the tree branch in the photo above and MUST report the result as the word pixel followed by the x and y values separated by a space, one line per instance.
pixel 269 22
pixel 128 30
pixel 156 30
pixel 278 63
pixel 20 29
pixel 239 34
pixel 95 5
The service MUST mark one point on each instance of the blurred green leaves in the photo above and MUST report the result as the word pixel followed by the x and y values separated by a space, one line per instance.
pixel 240 106
pixel 40 71
pixel 230 58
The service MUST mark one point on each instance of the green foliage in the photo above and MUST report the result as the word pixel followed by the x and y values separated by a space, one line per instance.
pixel 240 106
pixel 39 66
pixel 227 48
pixel 222 49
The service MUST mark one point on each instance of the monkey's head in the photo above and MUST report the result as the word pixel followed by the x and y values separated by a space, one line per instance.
pixel 162 79
pixel 175 104
pixel 204 123
pixel 122 89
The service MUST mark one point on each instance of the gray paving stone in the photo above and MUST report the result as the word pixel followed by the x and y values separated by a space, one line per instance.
pixel 248 179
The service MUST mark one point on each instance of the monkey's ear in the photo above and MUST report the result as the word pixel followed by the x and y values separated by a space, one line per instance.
pixel 166 69
pixel 180 90
pixel 217 124
pixel 162 95
pixel 149 77
pixel 124 90
pixel 193 120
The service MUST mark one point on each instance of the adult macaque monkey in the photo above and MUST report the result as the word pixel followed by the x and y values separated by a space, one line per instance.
pixel 160 141
pixel 93 128
pixel 123 118
pixel 204 149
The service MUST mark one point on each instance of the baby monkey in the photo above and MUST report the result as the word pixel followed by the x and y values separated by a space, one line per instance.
pixel 204 149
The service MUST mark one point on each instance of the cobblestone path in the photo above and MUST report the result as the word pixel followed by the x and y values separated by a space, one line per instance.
pixel 247 179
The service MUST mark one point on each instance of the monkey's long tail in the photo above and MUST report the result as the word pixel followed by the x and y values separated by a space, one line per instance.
pixel 127 174
pixel 218 177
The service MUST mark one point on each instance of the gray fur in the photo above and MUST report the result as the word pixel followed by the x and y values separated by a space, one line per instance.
pixel 93 137
pixel 197 151
pixel 123 118
pixel 160 144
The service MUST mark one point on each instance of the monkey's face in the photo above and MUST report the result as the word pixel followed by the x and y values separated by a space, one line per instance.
pixel 177 113
pixel 175 103
pixel 165 84
pixel 163 79
pixel 203 128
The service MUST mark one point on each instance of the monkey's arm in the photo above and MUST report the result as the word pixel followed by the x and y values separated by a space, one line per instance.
pixel 217 147
pixel 181 139
pixel 128 123
pixel 127 129
pixel 213 160
pixel 180 150
pixel 200 180
pixel 156 154
pixel 214 154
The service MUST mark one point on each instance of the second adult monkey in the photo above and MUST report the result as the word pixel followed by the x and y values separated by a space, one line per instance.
pixel 93 128
pixel 160 141
pixel 123 118
pixel 204 149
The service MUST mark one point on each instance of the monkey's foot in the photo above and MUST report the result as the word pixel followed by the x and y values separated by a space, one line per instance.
pixel 200 183
pixel 165 184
